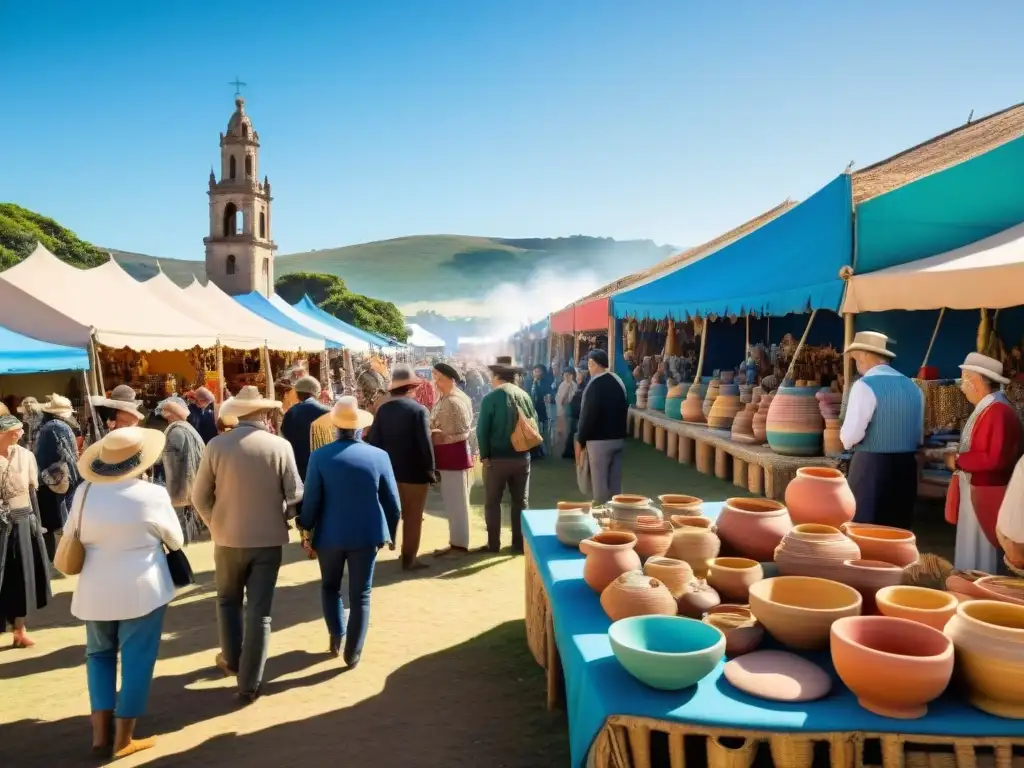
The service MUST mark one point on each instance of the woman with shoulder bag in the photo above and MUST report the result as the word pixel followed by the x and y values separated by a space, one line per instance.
pixel 116 534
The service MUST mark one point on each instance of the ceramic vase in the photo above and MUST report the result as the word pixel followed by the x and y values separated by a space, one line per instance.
pixel 989 639
pixel 678 521
pixel 693 406
pixel 653 536
pixel 760 420
pixel 811 549
pixel 829 403
pixel 695 546
pixel 743 633
pixel 893 666
pixel 681 504
pixel 753 527
pixel 674 400
pixel 931 607
pixel 743 424
pixel 725 407
pixel 674 574
pixel 831 442
pixel 624 509
pixel 710 396
pixel 697 599
pixel 820 495
pixel 881 542
pixel 727 377
pixel 731 577
pixel 641 394
pixel 575 525
pixel 656 396
pixel 794 423
pixel 668 653
pixel 798 611
pixel 635 594
pixel 609 555
pixel 869 576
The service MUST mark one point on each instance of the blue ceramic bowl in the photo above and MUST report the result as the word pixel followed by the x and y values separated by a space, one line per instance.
pixel 666 652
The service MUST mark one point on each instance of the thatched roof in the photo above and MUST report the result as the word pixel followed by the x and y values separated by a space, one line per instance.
pixel 674 261
pixel 948 149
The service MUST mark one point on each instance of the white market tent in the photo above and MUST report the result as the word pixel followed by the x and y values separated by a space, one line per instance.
pixel 421 338
pixel 230 336
pixel 49 300
pixel 347 340
pixel 988 273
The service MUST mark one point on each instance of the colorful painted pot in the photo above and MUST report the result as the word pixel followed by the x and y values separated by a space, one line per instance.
pixel 881 542
pixel 666 652
pixel 989 639
pixel 794 423
pixel 635 594
pixel 742 632
pixel 674 400
pixel 811 549
pixel 731 577
pixel 641 394
pixel 743 423
pixel 710 396
pixel 753 527
pixel 759 422
pixel 931 607
pixel 829 403
pixel 656 397
pixel 693 406
pixel 575 525
pixel 893 666
pixel 609 555
pixel 820 495
pixel 725 407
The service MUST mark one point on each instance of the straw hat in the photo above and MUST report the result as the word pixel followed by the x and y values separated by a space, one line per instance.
pixel 248 400
pixel 504 364
pixel 873 342
pixel 122 398
pixel 403 376
pixel 203 397
pixel 346 414
pixel 987 366
pixel 58 405
pixel 122 454
pixel 307 385
pixel 174 405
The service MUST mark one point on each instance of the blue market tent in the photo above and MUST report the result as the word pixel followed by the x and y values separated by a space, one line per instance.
pixel 21 354
pixel 791 264
pixel 256 302
pixel 307 307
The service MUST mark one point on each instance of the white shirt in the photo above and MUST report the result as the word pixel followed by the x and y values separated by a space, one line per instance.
pixel 860 408
pixel 124 528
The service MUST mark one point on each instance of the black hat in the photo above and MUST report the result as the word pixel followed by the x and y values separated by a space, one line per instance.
pixel 503 364
pixel 599 356
pixel 447 370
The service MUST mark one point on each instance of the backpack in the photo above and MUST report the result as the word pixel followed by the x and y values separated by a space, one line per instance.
pixel 525 435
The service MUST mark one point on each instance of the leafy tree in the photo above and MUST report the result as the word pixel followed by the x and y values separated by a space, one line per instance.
pixel 330 294
pixel 316 285
pixel 21 229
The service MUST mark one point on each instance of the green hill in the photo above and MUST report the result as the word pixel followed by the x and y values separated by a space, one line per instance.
pixel 21 229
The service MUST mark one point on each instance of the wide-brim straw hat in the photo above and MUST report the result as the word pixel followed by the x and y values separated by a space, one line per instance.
pixel 248 400
pixel 57 405
pixel 122 398
pixel 871 341
pixel 987 366
pixel 504 364
pixel 346 414
pixel 174 405
pixel 122 454
pixel 403 376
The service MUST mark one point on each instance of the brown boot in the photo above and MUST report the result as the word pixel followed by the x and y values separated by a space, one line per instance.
pixel 124 742
pixel 102 734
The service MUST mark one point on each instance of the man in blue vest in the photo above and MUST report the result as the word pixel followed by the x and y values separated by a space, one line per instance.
pixel 884 427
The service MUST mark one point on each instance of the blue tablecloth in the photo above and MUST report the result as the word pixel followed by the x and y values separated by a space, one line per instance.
pixel 596 686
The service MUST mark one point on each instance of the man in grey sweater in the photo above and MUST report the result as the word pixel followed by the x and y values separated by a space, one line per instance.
pixel 246 491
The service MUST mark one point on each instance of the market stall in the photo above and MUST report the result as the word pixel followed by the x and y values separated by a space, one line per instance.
pixel 423 343
pixel 378 343
pixel 33 368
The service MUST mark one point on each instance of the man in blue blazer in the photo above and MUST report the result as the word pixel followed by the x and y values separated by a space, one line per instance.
pixel 351 507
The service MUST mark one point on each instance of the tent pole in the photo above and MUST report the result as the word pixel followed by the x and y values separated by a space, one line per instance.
pixel 101 388
pixel 746 349
pixel 220 373
pixel 611 342
pixel 800 346
pixel 848 334
pixel 700 357
pixel 935 333
pixel 268 373
pixel 94 419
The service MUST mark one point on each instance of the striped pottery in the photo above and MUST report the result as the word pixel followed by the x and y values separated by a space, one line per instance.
pixel 641 395
pixel 743 423
pixel 710 396
pixel 758 423
pixel 674 400
pixel 693 406
pixel 794 425
pixel 656 396
pixel 725 407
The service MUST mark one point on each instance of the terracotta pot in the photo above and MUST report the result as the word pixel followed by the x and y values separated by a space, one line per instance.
pixel 575 525
pixel 1003 588
pixel 794 423
pixel 963 582
pixel 799 610
pixel 641 394
pixel 753 527
pixel 989 639
pixel 743 424
pixel 759 423
pixel 609 555
pixel 727 377
pixel 731 577
pixel 695 546
pixel 925 606
pixel 742 632
pixel 679 521
pixel 811 549
pixel 574 506
pixel 829 403
pixel 820 495
pixel 674 574
pixel 869 576
pixel 635 594
pixel 681 504
pixel 880 542
pixel 693 406
pixel 894 667
pixel 674 400
pixel 832 444
pixel 624 510
pixel 697 599
pixel 656 397
pixel 653 537
pixel 725 407
pixel 710 396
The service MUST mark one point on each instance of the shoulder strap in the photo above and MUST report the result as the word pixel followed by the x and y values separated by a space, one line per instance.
pixel 81 508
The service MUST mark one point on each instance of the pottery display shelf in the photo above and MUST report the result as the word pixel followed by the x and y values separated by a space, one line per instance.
pixel 613 717
pixel 755 467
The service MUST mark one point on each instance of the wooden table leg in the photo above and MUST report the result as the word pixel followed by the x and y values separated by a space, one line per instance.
pixel 672 444
pixel 722 458
pixel 687 449
pixel 648 432
pixel 659 438
pixel 705 457
pixel 739 472
pixel 554 669
pixel 755 478
pixel 638 427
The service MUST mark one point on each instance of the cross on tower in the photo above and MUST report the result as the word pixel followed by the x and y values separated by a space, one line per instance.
pixel 238 85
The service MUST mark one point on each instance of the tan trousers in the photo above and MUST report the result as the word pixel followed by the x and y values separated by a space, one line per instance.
pixel 413 498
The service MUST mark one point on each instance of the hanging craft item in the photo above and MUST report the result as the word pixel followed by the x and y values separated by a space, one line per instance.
pixel 671 345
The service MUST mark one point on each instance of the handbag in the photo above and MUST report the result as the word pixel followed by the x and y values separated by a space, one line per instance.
pixel 180 567
pixel 70 555
pixel 525 435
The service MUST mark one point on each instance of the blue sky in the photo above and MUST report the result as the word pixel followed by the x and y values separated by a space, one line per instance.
pixel 666 119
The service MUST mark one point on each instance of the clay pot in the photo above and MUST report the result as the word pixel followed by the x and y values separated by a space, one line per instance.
pixel 743 423
pixel 574 506
pixel 666 652
pixel 820 495
pixel 697 599
pixel 731 577
pixel 653 537
pixel 989 639
pixel 829 403
pixel 815 550
pixel 869 576
pixel 674 400
pixel 742 632
pixel 575 525
pixel 634 594
pixel 831 442
pixel 693 406
pixel 656 397
pixel 894 667
pixel 695 546
pixel 799 610
pixel 641 394
pixel 678 521
pixel 880 542
pixel 725 407
pixel 753 527
pixel 727 377
pixel 1003 588
pixel 759 423
pixel 681 504
pixel 674 574
pixel 625 509
pixel 710 396
pixel 609 555
pixel 925 606
pixel 794 423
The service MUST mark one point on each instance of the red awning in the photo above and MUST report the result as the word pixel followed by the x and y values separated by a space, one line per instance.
pixel 592 315
pixel 563 321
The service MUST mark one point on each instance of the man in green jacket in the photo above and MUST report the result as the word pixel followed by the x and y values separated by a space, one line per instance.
pixel 503 464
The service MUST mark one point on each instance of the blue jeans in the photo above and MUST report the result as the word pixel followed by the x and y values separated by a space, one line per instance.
pixel 360 581
pixel 138 642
